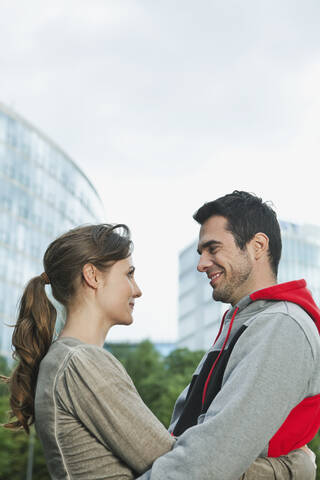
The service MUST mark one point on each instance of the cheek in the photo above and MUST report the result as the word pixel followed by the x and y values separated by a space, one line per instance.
pixel 119 300
pixel 116 308
pixel 220 259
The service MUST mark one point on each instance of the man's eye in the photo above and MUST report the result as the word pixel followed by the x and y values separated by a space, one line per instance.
pixel 212 250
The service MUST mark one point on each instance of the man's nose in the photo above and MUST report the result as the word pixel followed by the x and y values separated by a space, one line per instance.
pixel 203 264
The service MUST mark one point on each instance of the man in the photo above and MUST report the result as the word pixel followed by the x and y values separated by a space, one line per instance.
pixel 256 393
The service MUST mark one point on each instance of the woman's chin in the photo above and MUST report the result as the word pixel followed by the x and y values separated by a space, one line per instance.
pixel 127 321
pixel 130 321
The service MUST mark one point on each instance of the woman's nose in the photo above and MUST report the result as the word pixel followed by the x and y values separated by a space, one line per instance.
pixel 137 292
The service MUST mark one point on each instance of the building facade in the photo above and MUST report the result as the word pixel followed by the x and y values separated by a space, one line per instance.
pixel 200 316
pixel 42 194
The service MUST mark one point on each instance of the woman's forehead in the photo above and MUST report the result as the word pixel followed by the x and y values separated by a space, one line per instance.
pixel 125 262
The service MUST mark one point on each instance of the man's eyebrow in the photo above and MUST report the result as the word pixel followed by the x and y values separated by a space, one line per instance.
pixel 207 244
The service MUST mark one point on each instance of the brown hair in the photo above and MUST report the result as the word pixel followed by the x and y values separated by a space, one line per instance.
pixel 63 261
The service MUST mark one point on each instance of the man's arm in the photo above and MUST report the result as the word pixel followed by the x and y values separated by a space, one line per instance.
pixel 267 376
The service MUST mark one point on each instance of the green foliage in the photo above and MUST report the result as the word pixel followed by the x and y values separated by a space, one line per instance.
pixel 183 362
pixel 14 445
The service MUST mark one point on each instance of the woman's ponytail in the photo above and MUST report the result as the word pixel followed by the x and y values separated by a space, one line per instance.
pixel 31 340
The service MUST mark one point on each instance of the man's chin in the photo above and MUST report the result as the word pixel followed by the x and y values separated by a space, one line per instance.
pixel 219 297
pixel 215 295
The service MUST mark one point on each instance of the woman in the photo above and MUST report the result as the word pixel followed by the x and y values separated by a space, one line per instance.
pixel 89 417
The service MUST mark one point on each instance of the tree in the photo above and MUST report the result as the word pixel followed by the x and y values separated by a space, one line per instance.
pixel 14 445
pixel 183 362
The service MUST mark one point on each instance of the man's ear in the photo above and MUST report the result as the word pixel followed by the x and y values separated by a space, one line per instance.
pixel 260 245
pixel 89 275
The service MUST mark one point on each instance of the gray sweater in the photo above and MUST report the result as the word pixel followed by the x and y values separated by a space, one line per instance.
pixel 91 421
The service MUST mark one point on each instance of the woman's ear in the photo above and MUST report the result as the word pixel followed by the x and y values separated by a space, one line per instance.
pixel 89 275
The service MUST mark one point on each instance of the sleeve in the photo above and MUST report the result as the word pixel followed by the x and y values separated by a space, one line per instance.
pixel 267 375
pixel 294 466
pixel 102 396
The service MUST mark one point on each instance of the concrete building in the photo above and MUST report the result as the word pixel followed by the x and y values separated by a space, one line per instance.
pixel 42 194
pixel 200 316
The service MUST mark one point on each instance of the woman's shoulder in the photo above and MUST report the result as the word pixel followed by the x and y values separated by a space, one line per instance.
pixel 69 356
pixel 86 356
pixel 88 367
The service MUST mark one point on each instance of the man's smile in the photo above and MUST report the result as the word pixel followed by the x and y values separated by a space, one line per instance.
pixel 214 277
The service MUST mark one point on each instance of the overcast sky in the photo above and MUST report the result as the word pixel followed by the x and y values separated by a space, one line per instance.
pixel 166 104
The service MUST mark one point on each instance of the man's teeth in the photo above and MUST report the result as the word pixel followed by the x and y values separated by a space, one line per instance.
pixel 215 275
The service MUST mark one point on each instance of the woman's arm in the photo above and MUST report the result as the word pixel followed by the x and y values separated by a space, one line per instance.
pixel 96 389
pixel 297 465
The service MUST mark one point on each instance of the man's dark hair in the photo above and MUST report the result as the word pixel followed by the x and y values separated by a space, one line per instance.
pixel 246 215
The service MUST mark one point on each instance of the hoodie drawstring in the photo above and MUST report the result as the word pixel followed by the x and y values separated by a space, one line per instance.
pixel 224 344
pixel 221 326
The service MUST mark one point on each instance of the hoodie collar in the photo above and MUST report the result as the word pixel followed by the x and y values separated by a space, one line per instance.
pixel 295 292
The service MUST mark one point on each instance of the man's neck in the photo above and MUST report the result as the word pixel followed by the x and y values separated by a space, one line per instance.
pixel 254 287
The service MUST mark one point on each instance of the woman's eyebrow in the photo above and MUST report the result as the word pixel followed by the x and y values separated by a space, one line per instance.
pixel 207 244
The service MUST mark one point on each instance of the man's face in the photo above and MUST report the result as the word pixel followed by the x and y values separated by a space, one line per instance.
pixel 227 266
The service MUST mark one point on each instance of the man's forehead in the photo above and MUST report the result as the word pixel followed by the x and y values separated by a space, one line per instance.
pixel 217 221
pixel 213 227
pixel 213 232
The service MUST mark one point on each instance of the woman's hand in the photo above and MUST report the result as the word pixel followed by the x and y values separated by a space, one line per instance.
pixel 297 465
pixel 310 453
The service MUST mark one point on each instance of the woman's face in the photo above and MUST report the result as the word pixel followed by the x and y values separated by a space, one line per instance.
pixel 118 292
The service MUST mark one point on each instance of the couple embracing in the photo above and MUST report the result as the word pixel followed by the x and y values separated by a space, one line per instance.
pixel 253 402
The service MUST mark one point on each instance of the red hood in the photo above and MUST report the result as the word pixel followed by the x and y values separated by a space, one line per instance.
pixel 295 292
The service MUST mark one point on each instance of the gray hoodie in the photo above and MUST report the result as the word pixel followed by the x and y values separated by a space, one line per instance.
pixel 254 393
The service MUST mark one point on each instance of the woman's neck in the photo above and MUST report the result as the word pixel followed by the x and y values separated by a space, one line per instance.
pixel 86 325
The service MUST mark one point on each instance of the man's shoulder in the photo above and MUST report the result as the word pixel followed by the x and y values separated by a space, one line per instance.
pixel 289 317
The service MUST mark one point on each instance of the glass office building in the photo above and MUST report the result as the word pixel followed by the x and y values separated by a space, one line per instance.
pixel 42 194
pixel 200 316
